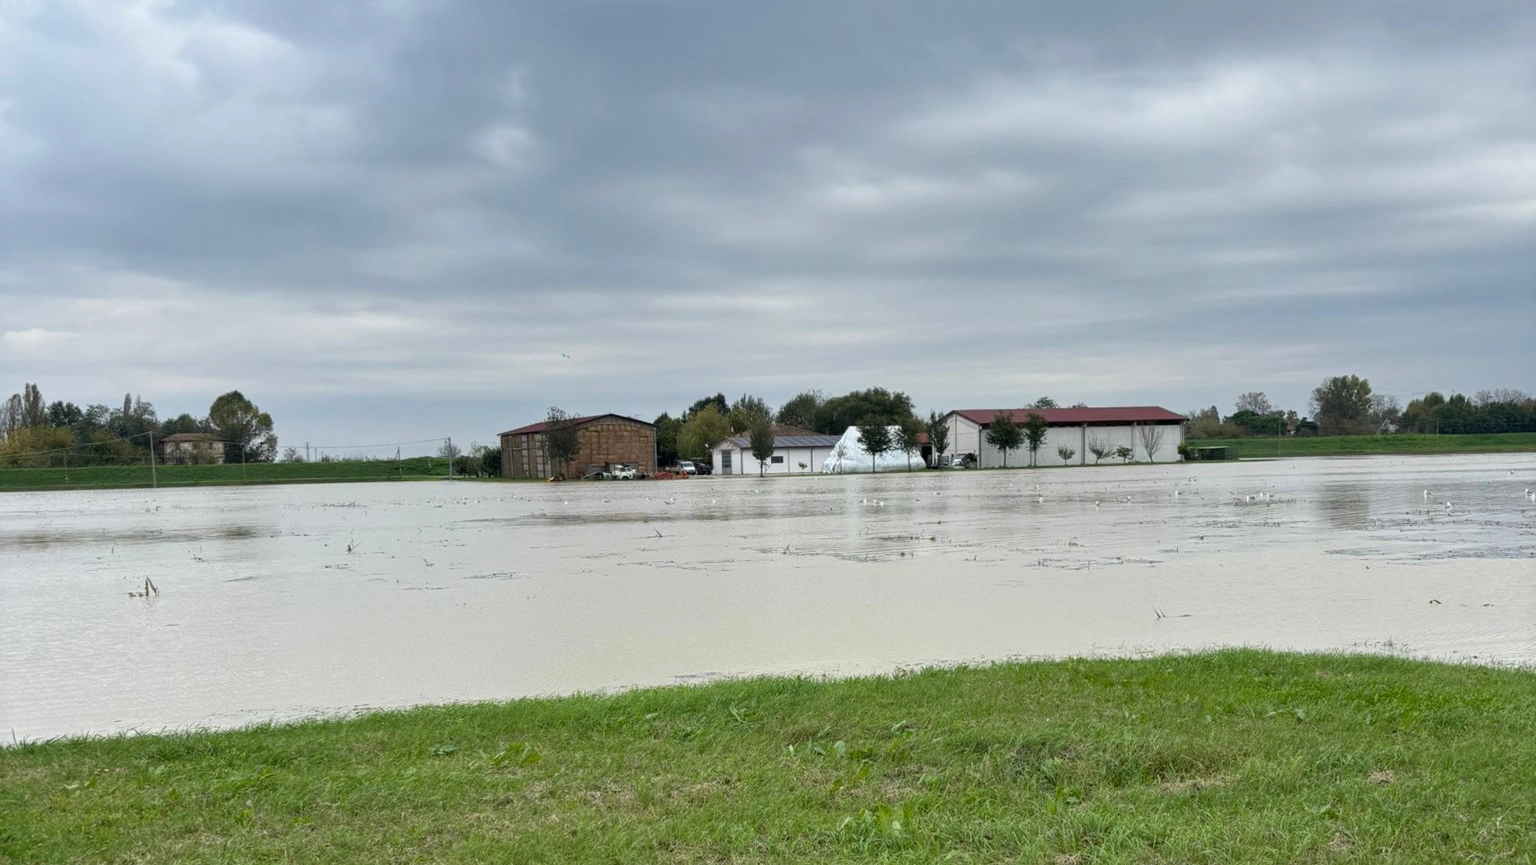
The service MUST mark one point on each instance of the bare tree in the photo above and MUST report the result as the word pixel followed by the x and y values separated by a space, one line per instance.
pixel 1100 449
pixel 1151 440
pixel 1066 454
pixel 1256 402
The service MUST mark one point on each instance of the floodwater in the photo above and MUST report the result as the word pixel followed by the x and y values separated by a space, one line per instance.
pixel 287 601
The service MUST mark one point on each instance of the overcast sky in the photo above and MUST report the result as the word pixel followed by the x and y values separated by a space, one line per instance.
pixel 409 219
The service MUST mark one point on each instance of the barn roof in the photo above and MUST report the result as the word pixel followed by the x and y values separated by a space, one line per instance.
pixel 805 441
pixel 575 421
pixel 1066 416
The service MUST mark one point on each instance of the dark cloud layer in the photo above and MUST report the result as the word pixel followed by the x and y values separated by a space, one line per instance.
pixel 397 218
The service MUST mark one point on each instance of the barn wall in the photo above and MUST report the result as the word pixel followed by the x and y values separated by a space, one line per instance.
pixel 598 442
pixel 1078 437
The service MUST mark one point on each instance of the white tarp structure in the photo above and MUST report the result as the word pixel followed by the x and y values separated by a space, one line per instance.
pixel 849 456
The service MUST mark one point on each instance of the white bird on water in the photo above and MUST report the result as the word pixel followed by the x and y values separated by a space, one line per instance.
pixel 1447 507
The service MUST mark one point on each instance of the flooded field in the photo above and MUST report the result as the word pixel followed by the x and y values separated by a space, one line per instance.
pixel 286 601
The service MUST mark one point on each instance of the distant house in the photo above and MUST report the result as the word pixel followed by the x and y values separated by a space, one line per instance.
pixel 1153 434
pixel 192 449
pixel 601 440
pixel 795 451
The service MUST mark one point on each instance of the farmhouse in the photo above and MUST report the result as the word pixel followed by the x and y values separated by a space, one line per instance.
pixel 795 451
pixel 1154 434
pixel 192 449
pixel 601 439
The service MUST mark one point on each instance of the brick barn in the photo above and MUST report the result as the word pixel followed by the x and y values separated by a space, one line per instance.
pixel 601 440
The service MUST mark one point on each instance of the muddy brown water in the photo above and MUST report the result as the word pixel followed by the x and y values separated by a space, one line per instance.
pixel 471 591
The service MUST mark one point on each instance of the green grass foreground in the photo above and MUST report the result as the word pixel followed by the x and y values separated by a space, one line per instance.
pixel 1323 446
pixel 109 477
pixel 1238 756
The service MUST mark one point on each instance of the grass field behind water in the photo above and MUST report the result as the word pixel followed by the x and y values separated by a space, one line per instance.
pixel 1237 756
pixel 103 477
pixel 1317 446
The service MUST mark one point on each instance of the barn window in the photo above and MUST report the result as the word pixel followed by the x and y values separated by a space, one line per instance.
pixel 777 460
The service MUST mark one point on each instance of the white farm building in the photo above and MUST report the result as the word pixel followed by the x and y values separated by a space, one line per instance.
pixel 797 454
pixel 1154 434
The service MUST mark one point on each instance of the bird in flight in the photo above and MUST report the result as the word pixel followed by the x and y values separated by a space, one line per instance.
pixel 564 355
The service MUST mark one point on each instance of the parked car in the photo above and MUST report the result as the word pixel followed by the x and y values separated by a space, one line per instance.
pixel 687 467
pixel 596 473
pixel 957 461
pixel 623 472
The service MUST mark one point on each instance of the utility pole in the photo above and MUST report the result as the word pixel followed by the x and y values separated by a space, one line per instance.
pixel 153 480
pixel 450 457
pixel 306 452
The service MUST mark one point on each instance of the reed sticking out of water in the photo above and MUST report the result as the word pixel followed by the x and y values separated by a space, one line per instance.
pixel 149 589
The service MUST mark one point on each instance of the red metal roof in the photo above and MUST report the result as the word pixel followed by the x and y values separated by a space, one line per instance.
pixel 577 421
pixel 1067 416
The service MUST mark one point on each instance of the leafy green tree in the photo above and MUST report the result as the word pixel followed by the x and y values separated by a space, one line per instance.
pixel 718 401
pixel 747 411
pixel 34 412
pixel 907 438
pixel 1125 453
pixel 561 441
pixel 1004 434
pixel 699 435
pixel 667 429
pixel 839 413
pixel 36 447
pixel 64 415
pixel 760 437
pixel 1035 429
pixel 1045 402
pixel 938 434
pixel 1254 424
pixel 1422 414
pixel 245 429
pixel 1066 454
pixel 875 433
pixel 1341 405
pixel 183 423
pixel 801 410
pixel 490 461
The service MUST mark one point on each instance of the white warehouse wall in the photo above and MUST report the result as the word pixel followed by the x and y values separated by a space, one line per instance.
pixel 967 437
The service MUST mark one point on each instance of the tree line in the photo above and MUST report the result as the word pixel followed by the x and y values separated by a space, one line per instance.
pixel 886 420
pixel 1346 405
pixel 35 433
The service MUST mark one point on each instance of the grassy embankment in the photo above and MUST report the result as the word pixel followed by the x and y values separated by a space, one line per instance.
pixel 1238 756
pixel 1320 446
pixel 102 477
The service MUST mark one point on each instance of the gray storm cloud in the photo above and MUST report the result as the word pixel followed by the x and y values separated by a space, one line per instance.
pixel 402 217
